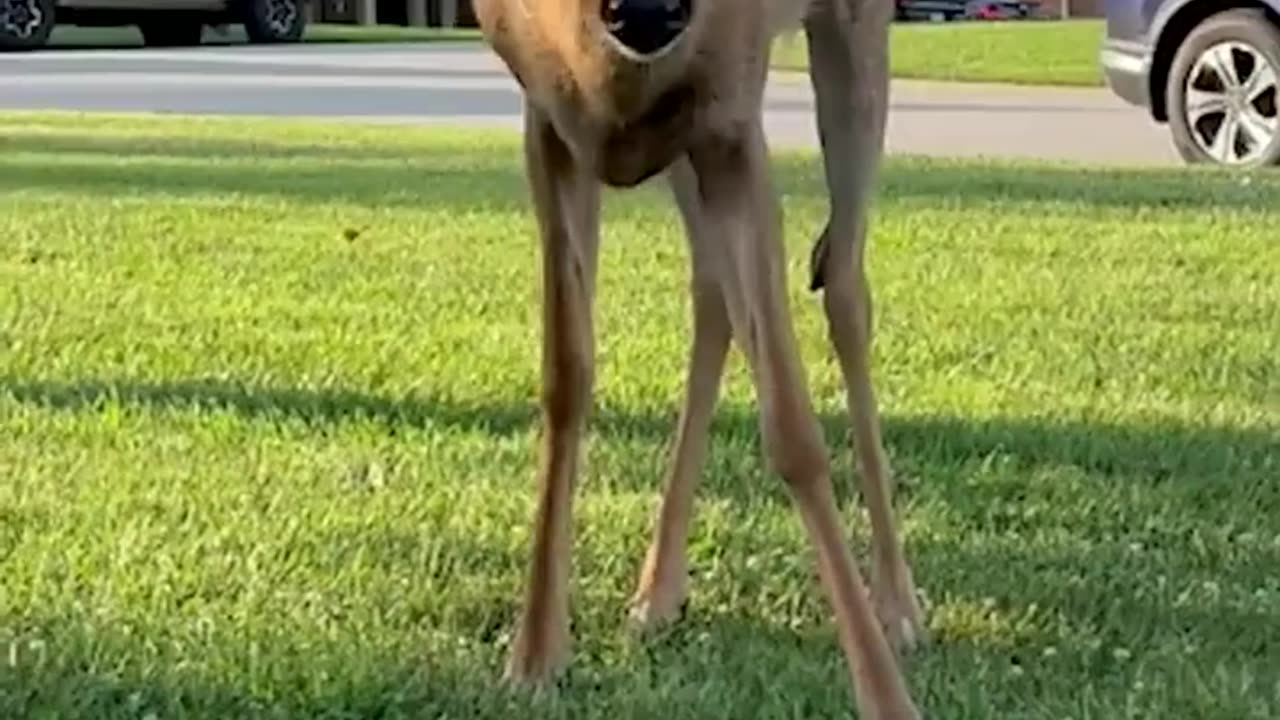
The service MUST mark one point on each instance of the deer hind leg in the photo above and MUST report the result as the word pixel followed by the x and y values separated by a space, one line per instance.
pixel 848 55
pixel 741 211
pixel 566 201
pixel 663 586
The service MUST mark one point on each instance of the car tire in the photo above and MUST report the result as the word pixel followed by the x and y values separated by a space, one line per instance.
pixel 1234 124
pixel 171 31
pixel 274 21
pixel 25 24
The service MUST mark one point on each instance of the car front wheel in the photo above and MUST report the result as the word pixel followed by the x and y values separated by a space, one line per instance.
pixel 25 24
pixel 1222 91
pixel 274 21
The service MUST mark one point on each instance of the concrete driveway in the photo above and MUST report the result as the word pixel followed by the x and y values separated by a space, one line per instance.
pixel 464 84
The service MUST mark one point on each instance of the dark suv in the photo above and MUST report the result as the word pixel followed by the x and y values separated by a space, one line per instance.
pixel 1208 68
pixel 26 24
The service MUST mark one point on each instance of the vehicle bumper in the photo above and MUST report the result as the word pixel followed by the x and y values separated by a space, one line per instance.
pixel 1127 68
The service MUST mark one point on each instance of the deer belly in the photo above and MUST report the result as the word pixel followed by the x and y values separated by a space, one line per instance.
pixel 645 146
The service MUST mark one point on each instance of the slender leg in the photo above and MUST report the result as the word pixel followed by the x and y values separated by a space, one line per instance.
pixel 567 202
pixel 663 586
pixel 849 71
pixel 742 212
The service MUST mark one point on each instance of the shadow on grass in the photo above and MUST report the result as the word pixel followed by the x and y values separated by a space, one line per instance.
pixel 96 672
pixel 1157 451
pixel 158 147
pixel 159 169
pixel 715 664
pixel 721 662
pixel 457 174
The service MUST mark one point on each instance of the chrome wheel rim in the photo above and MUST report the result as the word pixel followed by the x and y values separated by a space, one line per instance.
pixel 20 18
pixel 1231 103
pixel 281 15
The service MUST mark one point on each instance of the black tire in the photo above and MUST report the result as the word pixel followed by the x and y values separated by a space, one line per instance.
pixel 274 21
pixel 1250 29
pixel 25 24
pixel 171 31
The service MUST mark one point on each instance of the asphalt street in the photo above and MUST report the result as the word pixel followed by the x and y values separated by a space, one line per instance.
pixel 465 85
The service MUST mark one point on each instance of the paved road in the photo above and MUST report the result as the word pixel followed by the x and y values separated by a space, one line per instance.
pixel 463 84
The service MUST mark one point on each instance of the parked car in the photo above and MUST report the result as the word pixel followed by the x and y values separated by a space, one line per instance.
pixel 1206 68
pixel 948 10
pixel 999 10
pixel 26 24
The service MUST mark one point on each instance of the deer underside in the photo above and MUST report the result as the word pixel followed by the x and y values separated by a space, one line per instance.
pixel 634 152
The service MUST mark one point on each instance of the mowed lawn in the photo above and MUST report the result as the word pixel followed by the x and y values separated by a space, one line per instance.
pixel 1019 52
pixel 268 435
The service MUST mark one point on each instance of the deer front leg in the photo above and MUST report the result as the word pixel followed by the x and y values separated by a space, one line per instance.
pixel 742 210
pixel 663 587
pixel 566 201
pixel 848 60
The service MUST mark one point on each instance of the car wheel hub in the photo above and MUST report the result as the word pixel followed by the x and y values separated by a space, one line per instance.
pixel 1231 103
pixel 281 15
pixel 20 18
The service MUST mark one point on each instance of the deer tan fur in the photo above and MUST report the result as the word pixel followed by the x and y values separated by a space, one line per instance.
pixel 599 113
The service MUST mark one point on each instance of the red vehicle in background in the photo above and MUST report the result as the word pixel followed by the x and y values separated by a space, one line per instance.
pixel 948 10
pixel 997 10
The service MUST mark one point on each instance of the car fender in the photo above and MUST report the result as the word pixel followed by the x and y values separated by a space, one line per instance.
pixel 1157 16
pixel 1158 13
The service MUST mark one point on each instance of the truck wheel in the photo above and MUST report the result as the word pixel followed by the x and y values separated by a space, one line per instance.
pixel 25 24
pixel 274 21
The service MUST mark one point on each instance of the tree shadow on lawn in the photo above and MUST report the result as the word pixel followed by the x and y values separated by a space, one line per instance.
pixel 715 664
pixel 701 672
pixel 721 661
pixel 104 674
pixel 707 667
pixel 1156 451
pixel 154 146
pixel 1173 471
pixel 455 174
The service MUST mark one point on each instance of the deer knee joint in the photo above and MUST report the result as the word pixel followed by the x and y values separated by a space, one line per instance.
pixel 796 451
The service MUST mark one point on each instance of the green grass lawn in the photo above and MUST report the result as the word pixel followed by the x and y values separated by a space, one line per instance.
pixel 1044 53
pixel 254 469
pixel 1036 53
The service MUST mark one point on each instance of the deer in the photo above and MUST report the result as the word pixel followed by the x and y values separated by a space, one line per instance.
pixel 618 92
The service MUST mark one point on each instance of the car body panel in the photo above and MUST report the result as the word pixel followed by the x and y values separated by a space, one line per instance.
pixel 1158 13
pixel 1126 65
pixel 1125 20
pixel 1144 21
pixel 1125 54
pixel 1133 32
